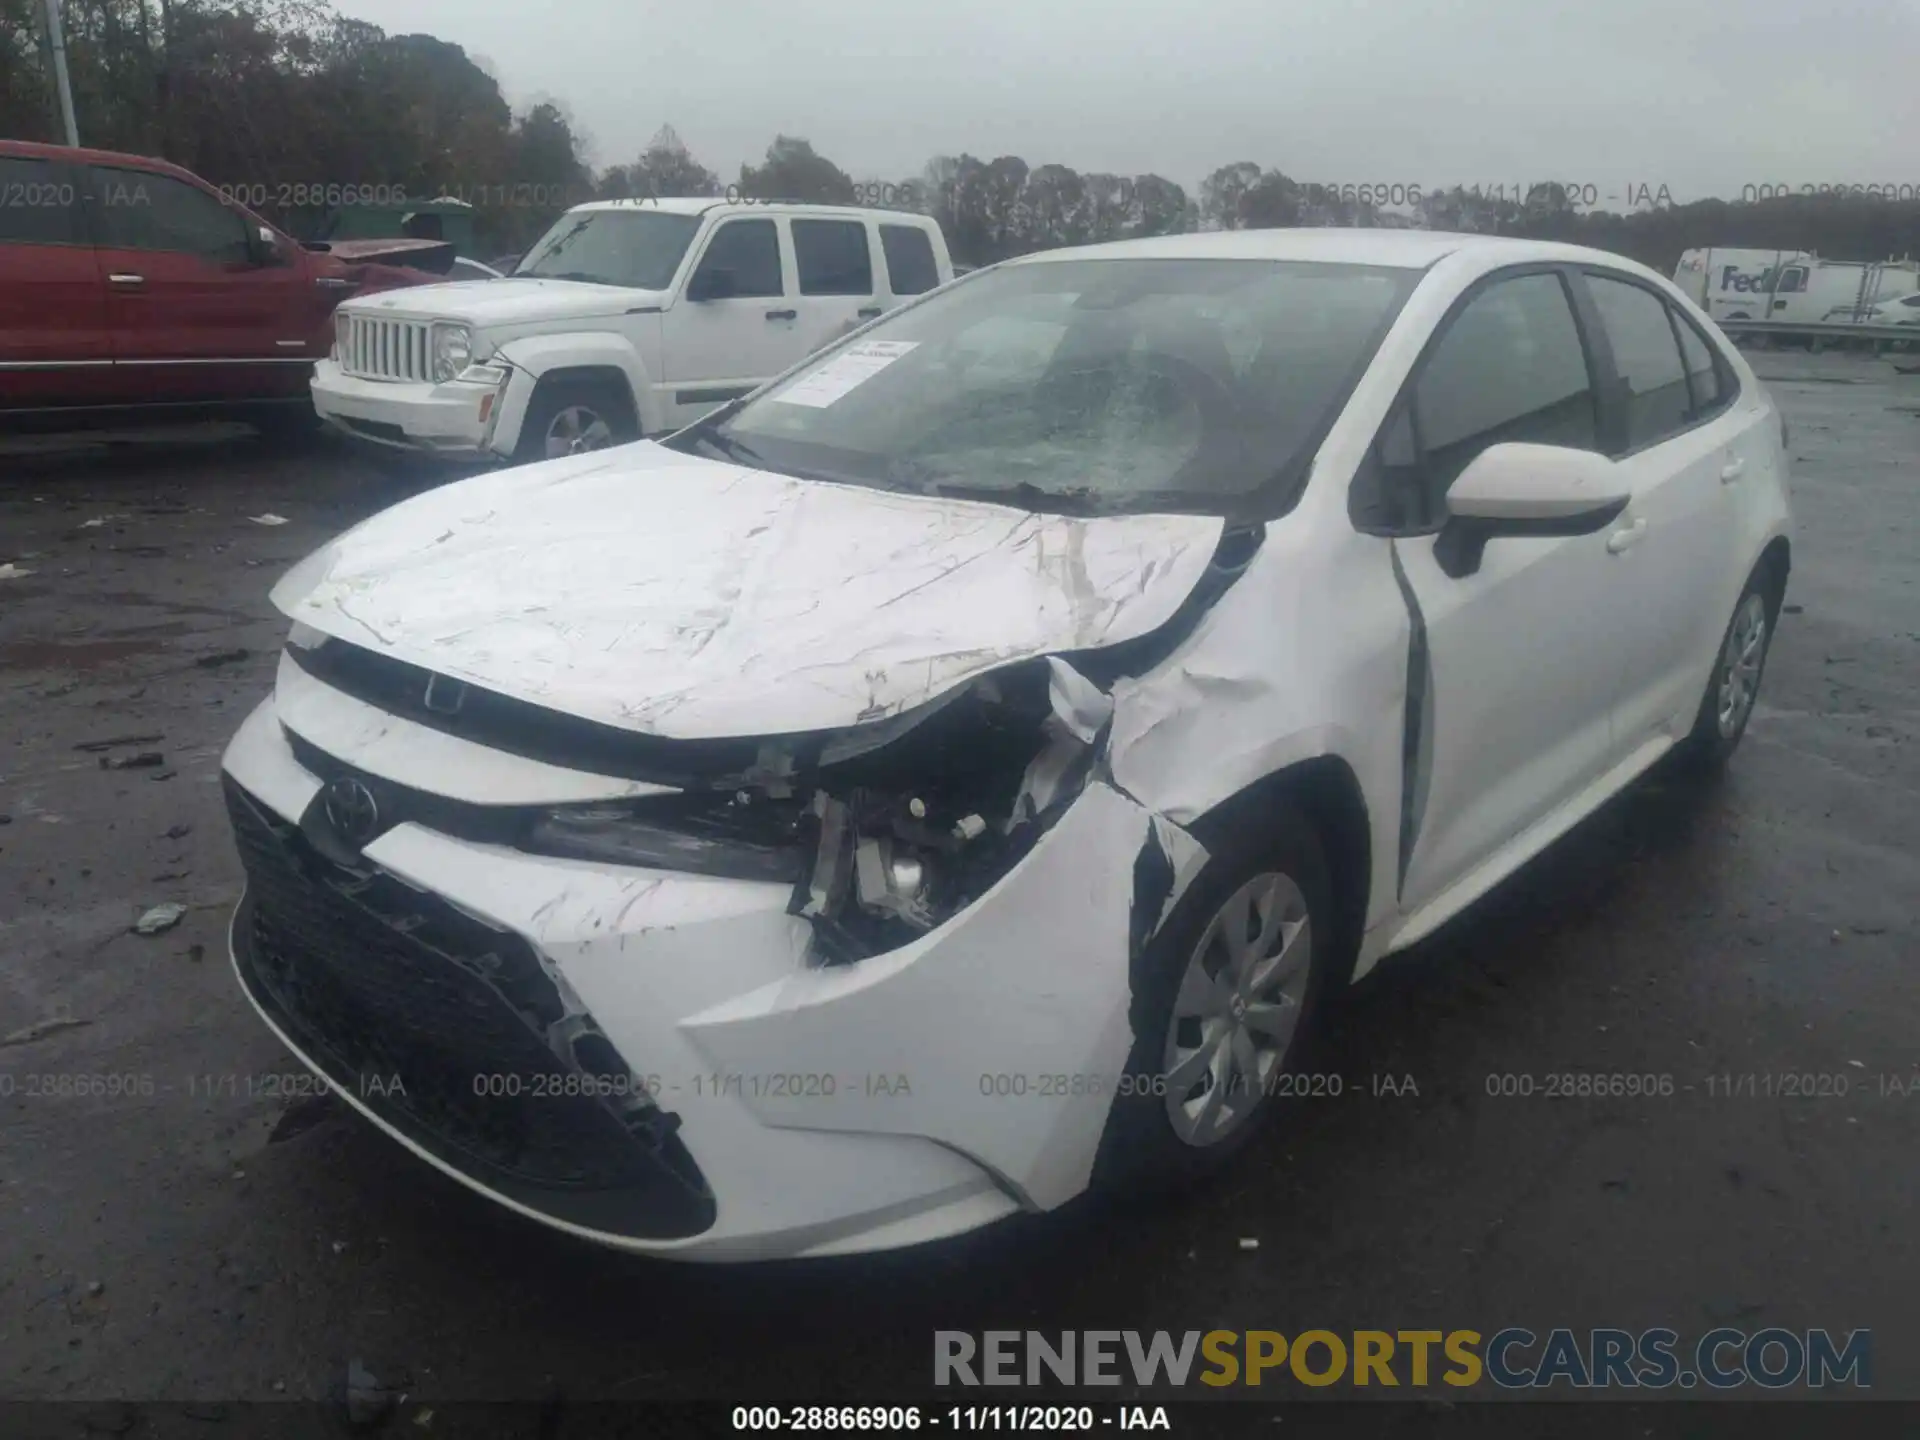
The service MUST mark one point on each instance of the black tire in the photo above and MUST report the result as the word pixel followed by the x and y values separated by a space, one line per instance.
pixel 602 402
pixel 1140 1151
pixel 1715 736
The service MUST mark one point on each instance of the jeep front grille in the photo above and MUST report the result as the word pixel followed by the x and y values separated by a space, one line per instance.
pixel 376 348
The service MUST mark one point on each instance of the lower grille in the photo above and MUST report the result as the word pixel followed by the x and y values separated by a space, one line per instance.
pixel 378 429
pixel 438 1024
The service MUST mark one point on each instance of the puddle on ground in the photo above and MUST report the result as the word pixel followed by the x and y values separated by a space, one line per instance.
pixel 71 654
pixel 159 630
pixel 175 607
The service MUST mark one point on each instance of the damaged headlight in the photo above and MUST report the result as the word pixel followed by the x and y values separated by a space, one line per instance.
pixel 883 832
pixel 913 830
pixel 722 838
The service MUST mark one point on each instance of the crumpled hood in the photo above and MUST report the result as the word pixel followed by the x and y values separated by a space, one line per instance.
pixel 510 300
pixel 683 597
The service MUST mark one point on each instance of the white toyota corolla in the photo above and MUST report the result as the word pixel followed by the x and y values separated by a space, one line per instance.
pixel 960 773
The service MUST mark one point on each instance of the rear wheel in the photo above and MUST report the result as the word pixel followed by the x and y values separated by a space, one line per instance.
pixel 571 417
pixel 1734 685
pixel 1227 1000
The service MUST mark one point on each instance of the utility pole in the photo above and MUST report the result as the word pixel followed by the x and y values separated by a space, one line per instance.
pixel 57 49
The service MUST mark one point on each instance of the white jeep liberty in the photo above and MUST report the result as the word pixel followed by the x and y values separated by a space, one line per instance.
pixel 628 318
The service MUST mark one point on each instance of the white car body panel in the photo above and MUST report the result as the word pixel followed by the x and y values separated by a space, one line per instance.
pixel 510 301
pixel 977 975
pixel 677 596
pixel 686 599
pixel 633 351
pixel 409 753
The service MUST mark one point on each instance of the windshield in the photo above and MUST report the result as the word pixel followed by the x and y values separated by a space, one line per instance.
pixel 1105 385
pixel 637 248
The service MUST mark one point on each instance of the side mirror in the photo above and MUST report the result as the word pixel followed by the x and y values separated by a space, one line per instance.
pixel 1525 489
pixel 716 283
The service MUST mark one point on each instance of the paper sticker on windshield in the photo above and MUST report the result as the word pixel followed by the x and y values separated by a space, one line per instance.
pixel 846 371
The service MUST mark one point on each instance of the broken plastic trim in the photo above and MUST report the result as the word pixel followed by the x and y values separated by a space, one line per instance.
pixel 906 834
pixel 699 832
pixel 625 835
pixel 516 727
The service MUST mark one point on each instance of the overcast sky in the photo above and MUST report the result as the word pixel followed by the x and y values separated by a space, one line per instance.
pixel 1703 97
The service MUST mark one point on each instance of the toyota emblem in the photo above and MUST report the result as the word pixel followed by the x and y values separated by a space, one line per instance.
pixel 352 811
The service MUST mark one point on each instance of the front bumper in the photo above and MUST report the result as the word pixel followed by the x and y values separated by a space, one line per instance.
pixel 787 1109
pixel 458 420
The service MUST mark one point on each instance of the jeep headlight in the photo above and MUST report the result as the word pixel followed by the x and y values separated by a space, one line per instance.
pixel 452 350
pixel 342 337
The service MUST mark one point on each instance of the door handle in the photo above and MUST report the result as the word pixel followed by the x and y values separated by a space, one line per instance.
pixel 1732 471
pixel 126 279
pixel 1626 539
pixel 783 314
pixel 869 312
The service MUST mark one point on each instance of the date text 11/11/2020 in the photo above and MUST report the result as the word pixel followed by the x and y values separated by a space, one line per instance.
pixel 294 1085
pixel 1577 194
pixel 899 1419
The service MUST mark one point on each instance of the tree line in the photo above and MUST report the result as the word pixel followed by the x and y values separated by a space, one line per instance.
pixel 268 94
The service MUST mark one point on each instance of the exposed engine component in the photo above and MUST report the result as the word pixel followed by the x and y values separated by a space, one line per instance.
pixel 905 834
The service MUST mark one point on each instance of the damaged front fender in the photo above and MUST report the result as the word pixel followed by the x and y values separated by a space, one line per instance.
pixel 1002 1034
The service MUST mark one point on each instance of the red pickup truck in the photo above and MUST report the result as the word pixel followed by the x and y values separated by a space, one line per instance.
pixel 128 284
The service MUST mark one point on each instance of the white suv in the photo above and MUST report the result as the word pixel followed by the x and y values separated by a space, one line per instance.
pixel 628 318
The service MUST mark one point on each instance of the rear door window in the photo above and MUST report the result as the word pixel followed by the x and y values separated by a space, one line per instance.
pixel 1703 372
pixel 38 203
pixel 833 257
pixel 1646 354
pixel 911 269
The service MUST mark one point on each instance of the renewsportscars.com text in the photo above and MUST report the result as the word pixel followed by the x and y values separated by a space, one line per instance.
pixel 1511 1359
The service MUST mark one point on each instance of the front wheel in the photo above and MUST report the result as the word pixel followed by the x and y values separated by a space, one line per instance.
pixel 1227 999
pixel 571 417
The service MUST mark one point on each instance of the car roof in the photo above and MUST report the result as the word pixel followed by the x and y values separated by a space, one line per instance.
pixel 1392 249
pixel 701 204
pixel 34 150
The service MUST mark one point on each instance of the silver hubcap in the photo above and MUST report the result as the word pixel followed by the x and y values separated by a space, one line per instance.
pixel 575 429
pixel 1237 1008
pixel 1740 664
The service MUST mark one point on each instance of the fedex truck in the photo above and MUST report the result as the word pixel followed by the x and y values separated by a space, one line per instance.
pixel 1794 287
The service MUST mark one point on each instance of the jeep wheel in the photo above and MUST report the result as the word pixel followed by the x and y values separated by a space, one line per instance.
pixel 571 417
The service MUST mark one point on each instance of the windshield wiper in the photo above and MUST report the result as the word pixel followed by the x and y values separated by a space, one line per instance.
pixel 730 448
pixel 1074 500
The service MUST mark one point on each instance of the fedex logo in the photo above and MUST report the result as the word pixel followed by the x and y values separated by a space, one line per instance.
pixel 1787 280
